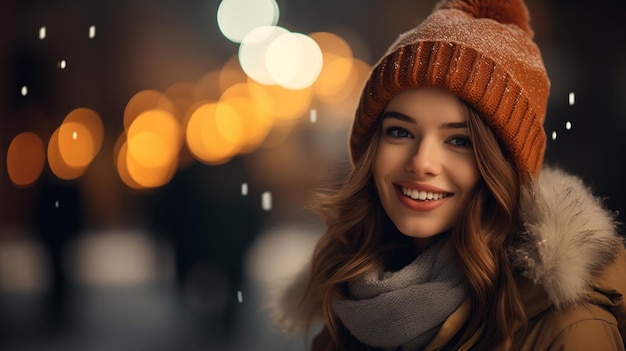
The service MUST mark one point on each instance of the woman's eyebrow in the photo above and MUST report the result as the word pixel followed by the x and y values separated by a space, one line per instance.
pixel 398 115
pixel 454 125
pixel 406 118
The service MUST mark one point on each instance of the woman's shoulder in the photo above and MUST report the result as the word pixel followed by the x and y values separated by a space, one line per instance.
pixel 583 326
pixel 596 322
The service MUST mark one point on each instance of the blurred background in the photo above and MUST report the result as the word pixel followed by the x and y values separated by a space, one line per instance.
pixel 155 170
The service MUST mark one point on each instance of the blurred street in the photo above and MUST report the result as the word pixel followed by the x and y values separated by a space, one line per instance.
pixel 154 316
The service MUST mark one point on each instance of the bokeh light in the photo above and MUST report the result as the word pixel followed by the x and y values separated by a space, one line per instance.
pixel 337 80
pixel 154 139
pixel 75 144
pixel 57 164
pixel 25 159
pixel 236 18
pixel 119 160
pixel 284 104
pixel 255 122
pixel 143 101
pixel 149 177
pixel 80 137
pixel 136 175
pixel 331 43
pixel 113 258
pixel 24 267
pixel 203 138
pixel 253 52
pixel 229 123
pixel 294 60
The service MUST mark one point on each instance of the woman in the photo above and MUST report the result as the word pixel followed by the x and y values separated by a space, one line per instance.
pixel 447 234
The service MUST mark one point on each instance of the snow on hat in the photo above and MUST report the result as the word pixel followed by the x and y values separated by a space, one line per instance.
pixel 480 50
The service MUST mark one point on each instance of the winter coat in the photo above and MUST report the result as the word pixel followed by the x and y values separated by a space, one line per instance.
pixel 572 285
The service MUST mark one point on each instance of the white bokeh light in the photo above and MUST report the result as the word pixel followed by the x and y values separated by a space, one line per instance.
pixel 294 60
pixel 236 18
pixel 253 52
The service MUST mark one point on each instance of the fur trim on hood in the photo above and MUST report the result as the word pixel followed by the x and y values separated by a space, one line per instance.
pixel 568 239
pixel 569 236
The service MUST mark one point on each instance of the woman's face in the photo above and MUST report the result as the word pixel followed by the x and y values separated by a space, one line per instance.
pixel 424 168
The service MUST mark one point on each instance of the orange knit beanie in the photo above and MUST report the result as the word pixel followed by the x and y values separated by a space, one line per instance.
pixel 480 50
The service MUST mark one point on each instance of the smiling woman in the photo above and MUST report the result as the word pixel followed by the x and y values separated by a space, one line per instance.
pixel 447 234
pixel 424 151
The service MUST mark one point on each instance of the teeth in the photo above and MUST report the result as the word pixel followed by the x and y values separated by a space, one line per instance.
pixel 422 195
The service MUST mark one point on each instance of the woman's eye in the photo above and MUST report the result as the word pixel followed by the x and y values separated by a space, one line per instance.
pixel 460 141
pixel 398 132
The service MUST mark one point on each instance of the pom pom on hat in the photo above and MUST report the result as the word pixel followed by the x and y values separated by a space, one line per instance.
pixel 505 12
pixel 482 52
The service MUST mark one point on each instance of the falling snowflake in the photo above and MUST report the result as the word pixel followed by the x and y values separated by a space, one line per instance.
pixel 266 201
pixel 239 296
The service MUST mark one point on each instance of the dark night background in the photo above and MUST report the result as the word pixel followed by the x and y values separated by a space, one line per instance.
pixel 185 253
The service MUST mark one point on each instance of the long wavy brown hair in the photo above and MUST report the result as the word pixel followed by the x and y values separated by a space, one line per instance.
pixel 359 236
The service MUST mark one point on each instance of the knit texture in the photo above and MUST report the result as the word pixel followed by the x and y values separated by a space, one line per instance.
pixel 407 307
pixel 481 51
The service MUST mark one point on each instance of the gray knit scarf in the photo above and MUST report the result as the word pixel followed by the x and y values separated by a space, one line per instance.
pixel 405 308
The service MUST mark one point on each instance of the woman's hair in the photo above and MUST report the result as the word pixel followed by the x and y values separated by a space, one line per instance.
pixel 481 238
pixel 357 239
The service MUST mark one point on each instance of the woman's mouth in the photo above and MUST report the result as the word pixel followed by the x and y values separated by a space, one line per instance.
pixel 422 195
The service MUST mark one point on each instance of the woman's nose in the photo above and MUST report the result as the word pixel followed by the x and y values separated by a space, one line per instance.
pixel 426 158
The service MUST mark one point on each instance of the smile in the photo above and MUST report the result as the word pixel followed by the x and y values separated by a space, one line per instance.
pixel 421 200
pixel 422 195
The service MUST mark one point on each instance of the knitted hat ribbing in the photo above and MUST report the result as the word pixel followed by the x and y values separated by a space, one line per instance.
pixel 483 52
